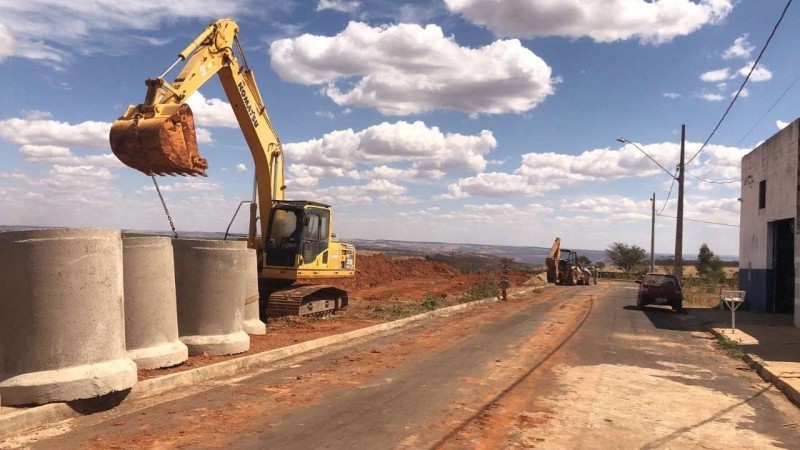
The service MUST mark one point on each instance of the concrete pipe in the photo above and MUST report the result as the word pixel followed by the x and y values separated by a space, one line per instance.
pixel 252 323
pixel 210 286
pixel 62 332
pixel 151 318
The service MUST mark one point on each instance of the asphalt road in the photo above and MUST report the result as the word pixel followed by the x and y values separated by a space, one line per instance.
pixel 573 367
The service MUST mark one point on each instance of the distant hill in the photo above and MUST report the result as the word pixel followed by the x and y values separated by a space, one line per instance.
pixel 528 255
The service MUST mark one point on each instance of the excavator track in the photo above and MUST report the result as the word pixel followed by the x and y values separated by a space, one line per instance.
pixel 304 300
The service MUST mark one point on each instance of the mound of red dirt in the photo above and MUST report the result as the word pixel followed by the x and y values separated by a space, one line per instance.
pixel 378 269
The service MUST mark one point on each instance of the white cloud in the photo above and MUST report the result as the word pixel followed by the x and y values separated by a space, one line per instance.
pixel 100 26
pixel 324 114
pixel 598 164
pixel 338 5
pixel 203 135
pixel 87 134
pixel 406 69
pixel 760 73
pixel 711 97
pixel 671 95
pixel 190 185
pixel 745 93
pixel 781 124
pixel 212 112
pixel 386 172
pixel 653 22
pixel 739 49
pixel 494 214
pixel 542 172
pixel 240 168
pixel 51 154
pixel 415 146
pixel 35 114
pixel 716 75
pixel 610 208
pixel 497 184
pixel 384 187
pixel 6 43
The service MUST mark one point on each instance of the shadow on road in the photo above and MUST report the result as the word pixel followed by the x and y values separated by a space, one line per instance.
pixel 664 318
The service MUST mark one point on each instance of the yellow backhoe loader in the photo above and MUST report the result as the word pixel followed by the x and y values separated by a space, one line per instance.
pixel 564 271
pixel 295 241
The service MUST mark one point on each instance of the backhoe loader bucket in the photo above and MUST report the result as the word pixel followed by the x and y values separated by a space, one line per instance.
pixel 160 145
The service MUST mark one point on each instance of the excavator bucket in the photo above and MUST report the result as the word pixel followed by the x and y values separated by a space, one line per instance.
pixel 160 145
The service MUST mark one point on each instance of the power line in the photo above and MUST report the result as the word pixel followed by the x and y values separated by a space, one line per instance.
pixel 702 221
pixel 669 193
pixel 714 182
pixel 768 111
pixel 755 64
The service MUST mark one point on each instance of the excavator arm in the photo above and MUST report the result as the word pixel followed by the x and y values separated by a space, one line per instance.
pixel 158 137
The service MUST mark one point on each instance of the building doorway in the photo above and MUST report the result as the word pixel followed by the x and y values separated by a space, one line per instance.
pixel 783 267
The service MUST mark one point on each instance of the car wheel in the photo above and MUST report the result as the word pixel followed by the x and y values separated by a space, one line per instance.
pixel 678 306
pixel 639 304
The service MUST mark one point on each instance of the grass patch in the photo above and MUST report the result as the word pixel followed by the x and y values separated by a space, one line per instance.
pixel 487 288
pixel 732 348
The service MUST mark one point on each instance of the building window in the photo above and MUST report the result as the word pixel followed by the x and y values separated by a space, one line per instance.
pixel 762 194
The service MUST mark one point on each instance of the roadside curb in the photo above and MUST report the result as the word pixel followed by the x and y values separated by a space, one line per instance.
pixel 33 417
pixel 770 376
pixel 766 373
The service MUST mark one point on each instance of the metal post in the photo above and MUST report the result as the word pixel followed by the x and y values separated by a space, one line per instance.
pixel 679 224
pixel 653 236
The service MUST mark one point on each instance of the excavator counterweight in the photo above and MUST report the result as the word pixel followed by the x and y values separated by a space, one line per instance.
pixel 160 144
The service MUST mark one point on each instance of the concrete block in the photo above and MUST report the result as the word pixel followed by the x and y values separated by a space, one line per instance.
pixel 62 332
pixel 252 323
pixel 151 317
pixel 210 286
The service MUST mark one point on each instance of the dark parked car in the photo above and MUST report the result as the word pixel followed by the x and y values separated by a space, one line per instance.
pixel 660 289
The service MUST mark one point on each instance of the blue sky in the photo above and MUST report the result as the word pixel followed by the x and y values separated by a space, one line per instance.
pixel 475 121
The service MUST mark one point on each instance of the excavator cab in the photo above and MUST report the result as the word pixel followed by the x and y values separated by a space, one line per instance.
pixel 299 233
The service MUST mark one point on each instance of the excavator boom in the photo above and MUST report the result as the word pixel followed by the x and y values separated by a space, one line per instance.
pixel 158 137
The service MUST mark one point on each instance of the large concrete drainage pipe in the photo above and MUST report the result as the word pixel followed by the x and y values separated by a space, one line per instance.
pixel 151 318
pixel 210 285
pixel 252 323
pixel 62 332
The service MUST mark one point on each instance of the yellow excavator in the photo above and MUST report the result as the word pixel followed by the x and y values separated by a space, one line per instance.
pixel 295 242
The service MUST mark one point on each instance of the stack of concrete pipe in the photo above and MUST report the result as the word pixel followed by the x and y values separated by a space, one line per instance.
pixel 67 334
pixel 151 318
pixel 252 323
pixel 210 280
pixel 62 328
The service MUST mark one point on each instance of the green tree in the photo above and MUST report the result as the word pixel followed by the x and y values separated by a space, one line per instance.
pixel 584 261
pixel 626 257
pixel 709 265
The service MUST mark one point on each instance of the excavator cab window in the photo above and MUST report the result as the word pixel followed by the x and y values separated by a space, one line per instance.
pixel 315 233
pixel 284 237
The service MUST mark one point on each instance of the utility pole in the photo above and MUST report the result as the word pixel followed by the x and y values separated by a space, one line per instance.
pixel 653 236
pixel 679 224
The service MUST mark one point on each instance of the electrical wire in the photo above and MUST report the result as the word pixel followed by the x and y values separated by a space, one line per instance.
pixel 669 193
pixel 715 182
pixel 755 64
pixel 768 111
pixel 702 221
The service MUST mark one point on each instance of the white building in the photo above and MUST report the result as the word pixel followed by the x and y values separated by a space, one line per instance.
pixel 769 256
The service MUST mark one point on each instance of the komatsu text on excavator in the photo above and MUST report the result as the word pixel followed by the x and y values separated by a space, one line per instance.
pixel 158 137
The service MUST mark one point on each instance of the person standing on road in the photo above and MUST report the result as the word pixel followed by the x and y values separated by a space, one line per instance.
pixel 594 274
